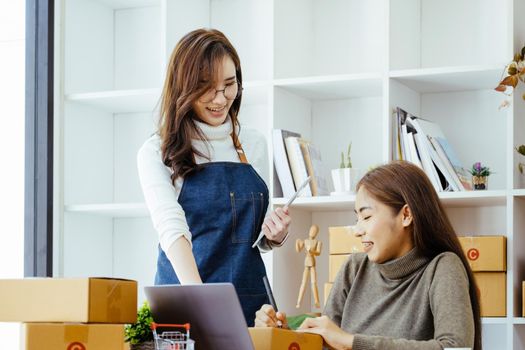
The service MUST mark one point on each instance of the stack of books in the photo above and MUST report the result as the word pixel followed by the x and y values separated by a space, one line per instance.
pixel 295 159
pixel 423 143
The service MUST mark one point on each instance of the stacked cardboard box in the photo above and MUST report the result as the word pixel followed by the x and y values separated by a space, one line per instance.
pixel 70 313
pixel 487 256
pixel 342 243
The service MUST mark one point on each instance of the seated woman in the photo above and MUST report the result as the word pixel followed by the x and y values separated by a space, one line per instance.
pixel 412 288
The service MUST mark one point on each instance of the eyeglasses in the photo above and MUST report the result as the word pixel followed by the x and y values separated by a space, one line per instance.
pixel 231 92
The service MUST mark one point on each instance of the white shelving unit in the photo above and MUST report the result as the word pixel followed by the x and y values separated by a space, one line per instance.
pixel 332 71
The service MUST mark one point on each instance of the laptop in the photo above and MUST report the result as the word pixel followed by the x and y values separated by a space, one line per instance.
pixel 213 311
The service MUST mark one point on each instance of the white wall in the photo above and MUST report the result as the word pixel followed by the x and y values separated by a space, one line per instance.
pixel 12 66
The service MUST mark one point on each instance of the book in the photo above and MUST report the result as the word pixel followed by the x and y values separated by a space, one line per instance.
pixel 462 173
pixel 444 159
pixel 433 130
pixel 440 172
pixel 396 142
pixel 414 152
pixel 428 165
pixel 405 145
pixel 401 118
pixel 280 161
pixel 297 164
pixel 314 167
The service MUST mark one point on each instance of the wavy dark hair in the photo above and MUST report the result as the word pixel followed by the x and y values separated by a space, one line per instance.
pixel 399 183
pixel 192 70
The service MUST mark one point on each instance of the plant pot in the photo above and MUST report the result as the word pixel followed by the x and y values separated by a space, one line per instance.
pixel 480 182
pixel 345 180
pixel 149 345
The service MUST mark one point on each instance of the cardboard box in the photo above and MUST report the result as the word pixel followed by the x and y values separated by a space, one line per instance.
pixel 327 289
pixel 334 265
pixel 493 293
pixel 276 338
pixel 485 253
pixel 523 299
pixel 91 300
pixel 62 336
pixel 343 241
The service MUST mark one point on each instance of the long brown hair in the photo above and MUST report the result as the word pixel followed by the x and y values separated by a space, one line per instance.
pixel 399 183
pixel 192 70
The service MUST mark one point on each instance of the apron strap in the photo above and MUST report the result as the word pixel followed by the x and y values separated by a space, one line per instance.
pixel 238 148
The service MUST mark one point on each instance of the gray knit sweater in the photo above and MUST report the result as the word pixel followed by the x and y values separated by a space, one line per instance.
pixel 406 303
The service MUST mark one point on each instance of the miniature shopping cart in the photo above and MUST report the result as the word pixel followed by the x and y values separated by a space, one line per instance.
pixel 172 340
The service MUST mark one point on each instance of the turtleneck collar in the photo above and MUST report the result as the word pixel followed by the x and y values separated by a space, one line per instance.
pixel 220 132
pixel 403 266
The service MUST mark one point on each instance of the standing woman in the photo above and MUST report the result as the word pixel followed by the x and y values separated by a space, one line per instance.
pixel 412 288
pixel 207 203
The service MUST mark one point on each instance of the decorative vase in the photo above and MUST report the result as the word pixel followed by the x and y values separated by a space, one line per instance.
pixel 345 180
pixel 149 345
pixel 480 182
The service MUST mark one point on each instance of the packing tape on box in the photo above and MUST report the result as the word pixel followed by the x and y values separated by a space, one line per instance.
pixel 76 333
pixel 114 295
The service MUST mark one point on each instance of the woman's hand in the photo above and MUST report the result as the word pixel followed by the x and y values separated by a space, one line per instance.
pixel 333 336
pixel 275 226
pixel 267 317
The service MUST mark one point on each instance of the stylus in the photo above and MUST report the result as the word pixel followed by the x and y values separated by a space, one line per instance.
pixel 290 201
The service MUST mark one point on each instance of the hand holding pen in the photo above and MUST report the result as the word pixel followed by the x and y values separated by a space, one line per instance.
pixel 268 315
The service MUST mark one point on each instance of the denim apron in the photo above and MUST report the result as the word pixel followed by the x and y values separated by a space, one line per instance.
pixel 225 204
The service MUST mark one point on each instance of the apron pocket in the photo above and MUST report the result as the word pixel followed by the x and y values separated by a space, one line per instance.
pixel 246 216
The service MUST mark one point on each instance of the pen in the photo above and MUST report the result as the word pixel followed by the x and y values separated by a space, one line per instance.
pixel 270 296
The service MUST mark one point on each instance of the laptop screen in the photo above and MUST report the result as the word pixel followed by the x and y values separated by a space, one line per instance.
pixel 213 311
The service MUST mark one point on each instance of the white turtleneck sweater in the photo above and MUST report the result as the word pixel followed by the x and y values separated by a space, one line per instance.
pixel 162 196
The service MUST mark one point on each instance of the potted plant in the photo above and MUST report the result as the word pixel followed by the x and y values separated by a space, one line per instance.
pixel 480 176
pixel 345 177
pixel 139 334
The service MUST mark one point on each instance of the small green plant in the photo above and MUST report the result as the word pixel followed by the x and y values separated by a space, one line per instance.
pixel 521 150
pixel 140 331
pixel 479 170
pixel 348 163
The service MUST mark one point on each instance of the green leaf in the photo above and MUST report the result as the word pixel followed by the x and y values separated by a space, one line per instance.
pixel 295 321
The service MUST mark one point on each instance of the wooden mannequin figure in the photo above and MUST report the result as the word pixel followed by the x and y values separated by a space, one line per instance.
pixel 312 248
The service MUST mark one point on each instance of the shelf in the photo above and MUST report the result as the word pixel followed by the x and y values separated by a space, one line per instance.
pixel 430 80
pixel 147 100
pixel 334 87
pixel 493 320
pixel 123 4
pixel 473 198
pixel 518 320
pixel 119 101
pixel 116 210
pixel 449 199
pixel 319 203
pixel 518 192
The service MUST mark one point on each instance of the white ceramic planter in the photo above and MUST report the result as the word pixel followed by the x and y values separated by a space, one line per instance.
pixel 345 180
